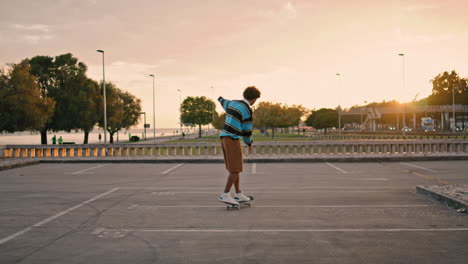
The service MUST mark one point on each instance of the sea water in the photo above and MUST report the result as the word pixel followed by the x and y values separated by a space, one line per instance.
pixel 33 138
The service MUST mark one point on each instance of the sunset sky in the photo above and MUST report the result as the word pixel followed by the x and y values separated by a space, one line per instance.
pixel 290 50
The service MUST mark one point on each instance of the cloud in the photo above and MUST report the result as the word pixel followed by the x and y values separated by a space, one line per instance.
pixel 124 74
pixel 35 39
pixel 409 38
pixel 419 7
pixel 30 33
pixel 285 12
pixel 289 10
pixel 34 27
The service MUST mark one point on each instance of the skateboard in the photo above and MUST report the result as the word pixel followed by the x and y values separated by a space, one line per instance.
pixel 238 207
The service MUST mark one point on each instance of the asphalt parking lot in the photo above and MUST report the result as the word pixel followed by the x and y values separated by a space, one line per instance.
pixel 169 213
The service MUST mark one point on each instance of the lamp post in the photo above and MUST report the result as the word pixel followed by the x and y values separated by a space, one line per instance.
pixel 339 107
pixel 453 110
pixel 154 115
pixel 404 112
pixel 144 125
pixel 180 109
pixel 212 108
pixel 104 94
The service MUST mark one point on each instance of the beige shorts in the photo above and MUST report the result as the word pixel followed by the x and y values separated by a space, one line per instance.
pixel 232 152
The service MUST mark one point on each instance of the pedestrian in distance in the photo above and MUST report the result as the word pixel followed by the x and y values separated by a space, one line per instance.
pixel 99 137
pixel 60 140
pixel 54 139
pixel 238 124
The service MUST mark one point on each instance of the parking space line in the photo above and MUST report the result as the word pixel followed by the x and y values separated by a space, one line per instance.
pixel 333 166
pixel 101 229
pixel 311 191
pixel 83 171
pixel 373 179
pixel 252 188
pixel 45 221
pixel 419 167
pixel 284 206
pixel 171 169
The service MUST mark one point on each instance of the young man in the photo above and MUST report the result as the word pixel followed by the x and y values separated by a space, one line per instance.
pixel 238 124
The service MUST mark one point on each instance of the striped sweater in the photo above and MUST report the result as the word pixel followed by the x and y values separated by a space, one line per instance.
pixel 239 120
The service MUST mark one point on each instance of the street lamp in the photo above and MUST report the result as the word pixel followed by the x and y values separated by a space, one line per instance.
pixel 154 115
pixel 180 109
pixel 104 92
pixel 144 125
pixel 212 108
pixel 404 112
pixel 453 110
pixel 339 107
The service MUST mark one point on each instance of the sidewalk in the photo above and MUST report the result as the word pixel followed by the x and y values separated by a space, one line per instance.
pixel 169 138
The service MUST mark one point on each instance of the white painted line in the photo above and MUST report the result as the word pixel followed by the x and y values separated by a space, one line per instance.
pixel 286 230
pixel 98 230
pixel 171 169
pixel 254 168
pixel 375 179
pixel 333 166
pixel 291 188
pixel 311 191
pixel 17 234
pixel 83 171
pixel 284 206
pixel 422 168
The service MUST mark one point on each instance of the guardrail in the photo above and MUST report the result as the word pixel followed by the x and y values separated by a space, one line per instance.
pixel 262 149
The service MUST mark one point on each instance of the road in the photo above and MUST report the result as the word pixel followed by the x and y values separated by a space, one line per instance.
pixel 169 213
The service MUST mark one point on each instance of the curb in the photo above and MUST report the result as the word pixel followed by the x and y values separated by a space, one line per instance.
pixel 221 160
pixel 19 165
pixel 250 160
pixel 444 199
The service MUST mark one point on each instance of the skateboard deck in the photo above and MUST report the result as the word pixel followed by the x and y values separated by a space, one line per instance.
pixel 238 207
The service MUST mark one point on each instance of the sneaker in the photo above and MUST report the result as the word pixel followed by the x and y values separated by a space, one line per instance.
pixel 226 198
pixel 240 197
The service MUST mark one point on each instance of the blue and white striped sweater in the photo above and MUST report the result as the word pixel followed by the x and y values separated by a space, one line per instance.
pixel 239 120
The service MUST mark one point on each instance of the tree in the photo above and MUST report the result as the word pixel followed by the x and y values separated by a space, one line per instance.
pixel 293 115
pixel 123 110
pixel 43 68
pixel 443 85
pixel 69 77
pixel 268 115
pixel 87 103
pixel 198 111
pixel 218 122
pixel 21 104
pixel 324 118
pixel 60 78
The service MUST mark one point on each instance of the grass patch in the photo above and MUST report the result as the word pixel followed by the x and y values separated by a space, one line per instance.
pixel 293 137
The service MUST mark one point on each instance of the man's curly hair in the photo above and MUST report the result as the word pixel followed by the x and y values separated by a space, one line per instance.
pixel 251 93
